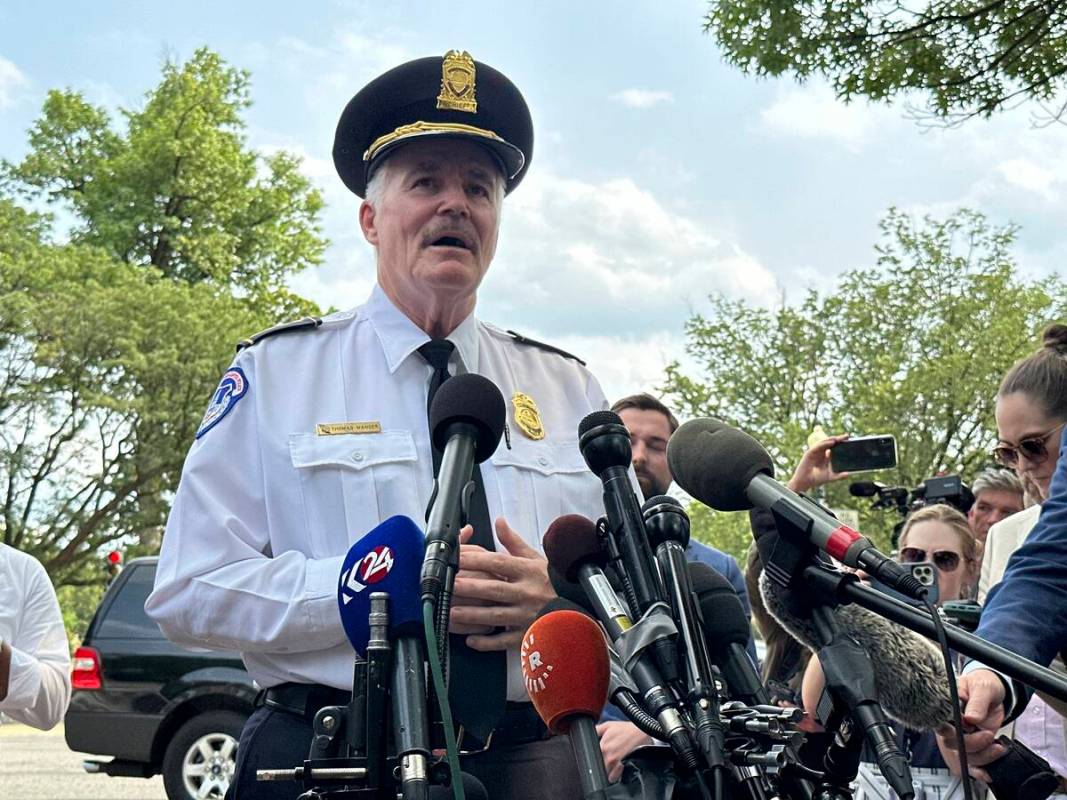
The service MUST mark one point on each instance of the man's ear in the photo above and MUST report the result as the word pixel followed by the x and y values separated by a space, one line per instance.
pixel 367 217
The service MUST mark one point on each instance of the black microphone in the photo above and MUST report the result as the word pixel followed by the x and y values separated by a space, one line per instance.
pixel 467 418
pixel 865 488
pixel 728 470
pixel 605 445
pixel 727 630
pixel 572 547
pixel 667 525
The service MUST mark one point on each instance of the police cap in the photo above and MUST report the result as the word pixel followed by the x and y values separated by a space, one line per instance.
pixel 452 96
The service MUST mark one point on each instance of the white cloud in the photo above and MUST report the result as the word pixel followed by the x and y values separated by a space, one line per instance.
pixel 1027 175
pixel 642 98
pixel 812 111
pixel 583 259
pixel 11 81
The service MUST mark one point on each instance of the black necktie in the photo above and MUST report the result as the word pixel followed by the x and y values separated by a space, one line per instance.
pixel 477 689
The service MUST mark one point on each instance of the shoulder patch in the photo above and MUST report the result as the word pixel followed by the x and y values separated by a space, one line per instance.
pixel 307 323
pixel 520 339
pixel 232 387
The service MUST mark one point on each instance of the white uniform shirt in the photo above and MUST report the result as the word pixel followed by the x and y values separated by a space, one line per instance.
pixel 267 509
pixel 39 687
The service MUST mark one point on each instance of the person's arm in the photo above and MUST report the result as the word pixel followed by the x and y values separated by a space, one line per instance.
pixel 217 583
pixel 35 665
pixel 814 468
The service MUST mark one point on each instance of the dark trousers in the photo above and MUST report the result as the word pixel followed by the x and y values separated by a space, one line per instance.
pixel 273 739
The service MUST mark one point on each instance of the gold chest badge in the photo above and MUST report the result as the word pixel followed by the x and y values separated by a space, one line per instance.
pixel 458 82
pixel 527 416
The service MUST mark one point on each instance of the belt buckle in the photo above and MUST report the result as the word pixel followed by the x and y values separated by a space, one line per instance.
pixel 459 742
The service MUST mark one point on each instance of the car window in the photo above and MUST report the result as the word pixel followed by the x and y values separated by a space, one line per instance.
pixel 126 617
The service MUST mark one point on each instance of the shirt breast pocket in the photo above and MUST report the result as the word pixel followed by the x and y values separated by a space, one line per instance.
pixel 349 484
pixel 542 480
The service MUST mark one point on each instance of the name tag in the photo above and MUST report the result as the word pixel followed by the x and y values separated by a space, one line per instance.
pixel 340 428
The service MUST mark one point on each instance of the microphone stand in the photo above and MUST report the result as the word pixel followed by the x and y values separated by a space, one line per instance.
pixel 845 588
pixel 348 755
pixel 847 667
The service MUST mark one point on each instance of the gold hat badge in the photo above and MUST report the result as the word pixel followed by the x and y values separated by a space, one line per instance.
pixel 527 416
pixel 458 82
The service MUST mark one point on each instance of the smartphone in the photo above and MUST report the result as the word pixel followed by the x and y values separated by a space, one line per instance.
pixel 925 573
pixel 964 613
pixel 864 453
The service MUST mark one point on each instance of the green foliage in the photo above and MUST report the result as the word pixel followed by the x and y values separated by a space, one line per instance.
pixel 724 531
pixel 968 57
pixel 114 332
pixel 916 348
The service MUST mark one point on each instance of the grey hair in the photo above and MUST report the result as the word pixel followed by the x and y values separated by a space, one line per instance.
pixel 376 186
pixel 997 480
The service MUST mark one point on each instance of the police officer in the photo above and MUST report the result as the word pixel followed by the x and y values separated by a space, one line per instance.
pixel 318 432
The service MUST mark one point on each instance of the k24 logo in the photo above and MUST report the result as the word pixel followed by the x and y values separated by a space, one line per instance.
pixel 370 569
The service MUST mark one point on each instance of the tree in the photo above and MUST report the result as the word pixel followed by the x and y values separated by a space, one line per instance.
pixel 969 58
pixel 916 348
pixel 115 328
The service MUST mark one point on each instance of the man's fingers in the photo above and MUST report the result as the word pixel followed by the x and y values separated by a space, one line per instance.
pixel 503 564
pixel 497 641
pixel 512 542
pixel 467 630
pixel 491 615
pixel 465 533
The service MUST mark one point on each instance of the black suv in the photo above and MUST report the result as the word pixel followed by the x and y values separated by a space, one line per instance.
pixel 156 707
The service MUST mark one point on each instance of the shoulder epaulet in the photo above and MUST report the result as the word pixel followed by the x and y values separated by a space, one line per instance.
pixel 520 339
pixel 307 323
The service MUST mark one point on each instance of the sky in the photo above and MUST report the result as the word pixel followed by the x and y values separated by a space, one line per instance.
pixel 660 173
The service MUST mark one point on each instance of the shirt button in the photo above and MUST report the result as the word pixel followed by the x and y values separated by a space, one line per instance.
pixel 542 461
pixel 357 456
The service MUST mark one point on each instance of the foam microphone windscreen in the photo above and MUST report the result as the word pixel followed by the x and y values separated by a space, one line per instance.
pixel 474 400
pixel 715 463
pixel 909 671
pixel 565 668
pixel 569 542
pixel 725 621
pixel 388 559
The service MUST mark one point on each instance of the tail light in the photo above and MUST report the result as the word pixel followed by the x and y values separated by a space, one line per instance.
pixel 85 671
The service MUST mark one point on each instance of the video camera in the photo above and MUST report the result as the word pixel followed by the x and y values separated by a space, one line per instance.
pixel 947 489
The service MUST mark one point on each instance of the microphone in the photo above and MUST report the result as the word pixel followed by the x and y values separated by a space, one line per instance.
pixel 727 631
pixel 605 445
pixel 909 673
pixel 572 547
pixel 667 525
pixel 467 418
pixel 388 559
pixel 865 488
pixel 728 470
pixel 565 669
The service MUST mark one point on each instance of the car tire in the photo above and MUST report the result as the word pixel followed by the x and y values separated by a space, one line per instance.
pixel 203 750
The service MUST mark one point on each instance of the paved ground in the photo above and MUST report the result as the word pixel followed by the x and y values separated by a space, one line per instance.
pixel 37 765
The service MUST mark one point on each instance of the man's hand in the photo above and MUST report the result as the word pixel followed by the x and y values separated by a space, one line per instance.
pixel 618 740
pixel 982 693
pixel 499 590
pixel 814 468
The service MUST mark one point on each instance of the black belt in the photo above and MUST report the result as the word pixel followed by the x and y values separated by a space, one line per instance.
pixel 520 724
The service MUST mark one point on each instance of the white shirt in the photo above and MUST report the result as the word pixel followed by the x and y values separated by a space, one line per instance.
pixel 267 509
pixel 39 686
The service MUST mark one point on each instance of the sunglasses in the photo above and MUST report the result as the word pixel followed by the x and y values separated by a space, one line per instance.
pixel 1035 449
pixel 944 560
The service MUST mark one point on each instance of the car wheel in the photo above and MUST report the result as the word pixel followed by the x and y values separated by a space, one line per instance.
pixel 200 759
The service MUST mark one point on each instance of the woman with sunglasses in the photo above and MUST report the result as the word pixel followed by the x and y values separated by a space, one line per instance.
pixel 1031 413
pixel 939 534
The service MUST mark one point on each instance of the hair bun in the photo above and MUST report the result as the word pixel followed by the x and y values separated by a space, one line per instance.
pixel 1055 338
